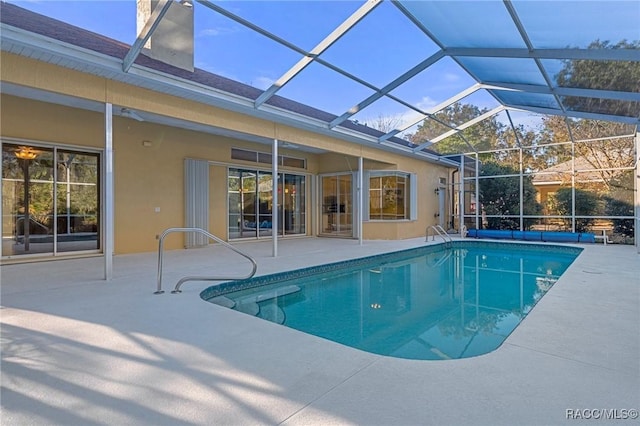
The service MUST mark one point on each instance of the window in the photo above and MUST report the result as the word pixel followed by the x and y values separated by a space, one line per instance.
pixel 390 195
pixel 266 158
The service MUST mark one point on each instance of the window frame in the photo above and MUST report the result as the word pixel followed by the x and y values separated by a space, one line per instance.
pixel 409 196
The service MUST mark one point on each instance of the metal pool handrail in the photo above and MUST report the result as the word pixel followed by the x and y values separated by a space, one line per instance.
pixel 196 278
pixel 441 232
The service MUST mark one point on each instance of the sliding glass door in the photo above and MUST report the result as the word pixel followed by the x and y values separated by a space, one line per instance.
pixel 50 200
pixel 251 204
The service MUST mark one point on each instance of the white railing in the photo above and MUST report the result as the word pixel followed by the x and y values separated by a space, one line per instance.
pixel 439 230
pixel 197 278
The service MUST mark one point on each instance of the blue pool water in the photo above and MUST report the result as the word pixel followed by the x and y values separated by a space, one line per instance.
pixel 427 303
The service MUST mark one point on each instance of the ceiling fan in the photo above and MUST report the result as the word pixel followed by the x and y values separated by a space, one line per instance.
pixel 129 113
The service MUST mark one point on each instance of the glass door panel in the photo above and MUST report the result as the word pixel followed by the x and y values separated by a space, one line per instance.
pixel 243 215
pixel 27 200
pixel 265 203
pixel 234 193
pixel 294 206
pixel 337 205
pixel 248 211
pixel 77 206
pixel 345 213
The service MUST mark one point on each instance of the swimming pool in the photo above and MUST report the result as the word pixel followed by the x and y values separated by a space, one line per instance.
pixel 433 302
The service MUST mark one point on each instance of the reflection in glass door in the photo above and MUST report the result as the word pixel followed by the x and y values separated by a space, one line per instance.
pixel 251 204
pixel 336 193
pixel 265 203
pixel 294 205
pixel 49 200
pixel 77 201
pixel 242 203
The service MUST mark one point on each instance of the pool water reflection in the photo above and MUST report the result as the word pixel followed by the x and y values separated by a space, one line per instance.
pixel 429 303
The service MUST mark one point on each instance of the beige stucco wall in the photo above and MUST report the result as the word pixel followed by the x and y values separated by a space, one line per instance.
pixel 150 177
pixel 21 118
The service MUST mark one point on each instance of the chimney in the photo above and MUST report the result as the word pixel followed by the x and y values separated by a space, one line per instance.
pixel 172 41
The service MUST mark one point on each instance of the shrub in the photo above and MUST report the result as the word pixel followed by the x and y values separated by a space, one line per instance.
pixel 587 204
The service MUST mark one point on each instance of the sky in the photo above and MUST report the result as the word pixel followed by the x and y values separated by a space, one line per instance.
pixel 379 49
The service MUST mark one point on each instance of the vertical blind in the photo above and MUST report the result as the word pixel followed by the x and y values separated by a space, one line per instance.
pixel 196 180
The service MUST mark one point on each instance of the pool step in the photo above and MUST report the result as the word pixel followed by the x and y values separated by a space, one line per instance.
pixel 272 312
pixel 248 307
pixel 277 292
pixel 249 304
pixel 223 301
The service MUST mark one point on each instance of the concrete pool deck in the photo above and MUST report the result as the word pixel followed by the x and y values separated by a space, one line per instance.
pixel 78 350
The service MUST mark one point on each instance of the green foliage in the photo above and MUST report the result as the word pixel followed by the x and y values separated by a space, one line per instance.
pixel 501 196
pixel 552 144
pixel 618 208
pixel 587 204
pixel 603 75
pixel 619 202
pixel 76 190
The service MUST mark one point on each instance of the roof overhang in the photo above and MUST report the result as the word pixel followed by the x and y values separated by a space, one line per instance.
pixel 45 49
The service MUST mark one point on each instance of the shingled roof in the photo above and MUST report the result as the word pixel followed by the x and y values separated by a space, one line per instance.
pixel 586 171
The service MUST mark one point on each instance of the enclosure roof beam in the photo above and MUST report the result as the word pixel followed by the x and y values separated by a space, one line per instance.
pixel 461 127
pixel 429 113
pixel 564 91
pixel 562 53
pixel 328 41
pixel 577 114
pixel 389 87
pixel 515 132
pixel 527 41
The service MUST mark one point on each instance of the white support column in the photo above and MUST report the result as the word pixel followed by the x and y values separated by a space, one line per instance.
pixel 521 191
pixel 573 187
pixel 313 191
pixel 360 198
pixel 637 191
pixel 477 194
pixel 108 223
pixel 461 195
pixel 274 205
pixel 1 197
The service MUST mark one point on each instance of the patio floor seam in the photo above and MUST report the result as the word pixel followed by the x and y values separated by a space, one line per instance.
pixel 528 348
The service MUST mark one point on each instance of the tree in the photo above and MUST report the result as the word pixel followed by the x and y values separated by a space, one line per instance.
pixel 384 123
pixel 484 135
pixel 604 157
pixel 619 202
pixel 500 196
pixel 602 75
pixel 587 204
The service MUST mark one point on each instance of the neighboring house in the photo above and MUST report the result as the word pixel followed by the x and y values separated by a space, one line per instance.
pixel 548 181
pixel 96 159
pixel 593 172
pixel 599 173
